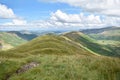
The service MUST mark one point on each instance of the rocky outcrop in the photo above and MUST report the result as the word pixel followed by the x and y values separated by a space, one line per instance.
pixel 26 67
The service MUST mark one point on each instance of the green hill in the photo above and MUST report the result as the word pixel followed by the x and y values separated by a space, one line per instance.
pixel 108 37
pixel 9 40
pixel 57 57
pixel 48 44
pixel 90 43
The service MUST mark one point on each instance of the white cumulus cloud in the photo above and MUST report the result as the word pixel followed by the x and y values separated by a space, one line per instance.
pixel 16 22
pixel 107 7
pixel 74 19
pixel 6 12
pixel 62 20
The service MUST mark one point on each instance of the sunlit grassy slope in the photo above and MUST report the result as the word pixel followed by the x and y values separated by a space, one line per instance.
pixel 65 67
pixel 59 59
pixel 10 40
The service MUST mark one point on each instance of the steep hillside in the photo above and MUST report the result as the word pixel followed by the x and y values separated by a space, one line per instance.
pixel 9 40
pixel 90 43
pixel 52 57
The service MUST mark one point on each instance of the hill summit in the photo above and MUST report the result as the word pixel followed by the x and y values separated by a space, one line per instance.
pixel 50 44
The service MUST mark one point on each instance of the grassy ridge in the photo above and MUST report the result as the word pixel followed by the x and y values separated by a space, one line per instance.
pixel 54 42
pixel 89 43
pixel 48 44
pixel 59 59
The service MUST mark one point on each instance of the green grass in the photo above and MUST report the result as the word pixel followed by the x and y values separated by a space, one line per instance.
pixel 64 67
pixel 59 59
pixel 109 39
pixel 109 42
pixel 111 45
pixel 7 67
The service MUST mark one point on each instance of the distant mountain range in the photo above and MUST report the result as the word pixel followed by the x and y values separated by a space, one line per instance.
pixel 26 35
pixel 99 30
pixel 108 33
pixel 18 37
pixel 74 39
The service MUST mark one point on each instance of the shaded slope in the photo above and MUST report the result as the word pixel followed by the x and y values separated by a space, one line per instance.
pixel 89 43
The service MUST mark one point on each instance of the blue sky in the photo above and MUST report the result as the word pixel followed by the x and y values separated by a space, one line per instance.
pixel 59 14
pixel 34 9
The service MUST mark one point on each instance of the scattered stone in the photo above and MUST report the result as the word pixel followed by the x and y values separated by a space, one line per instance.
pixel 26 67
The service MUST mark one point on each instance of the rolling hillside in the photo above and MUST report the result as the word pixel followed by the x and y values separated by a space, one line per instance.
pixel 49 44
pixel 10 40
pixel 53 57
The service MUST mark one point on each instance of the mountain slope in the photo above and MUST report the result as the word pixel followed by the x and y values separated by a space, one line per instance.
pixel 58 58
pixel 48 44
pixel 108 37
pixel 90 43
pixel 10 40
